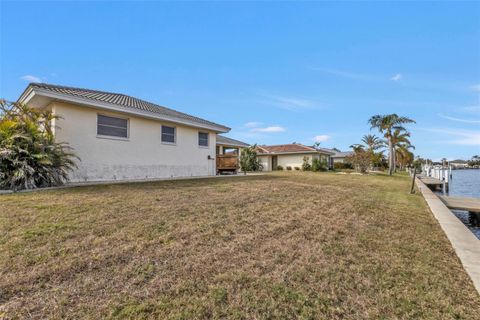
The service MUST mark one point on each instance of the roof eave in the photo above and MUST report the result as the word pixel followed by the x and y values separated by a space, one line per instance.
pixel 232 144
pixel 31 91
pixel 293 152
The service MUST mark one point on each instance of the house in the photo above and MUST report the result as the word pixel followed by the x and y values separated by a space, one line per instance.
pixel 119 137
pixel 338 156
pixel 459 164
pixel 289 155
pixel 228 154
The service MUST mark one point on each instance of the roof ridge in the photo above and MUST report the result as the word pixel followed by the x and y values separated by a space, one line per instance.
pixel 122 100
pixel 78 88
pixel 286 144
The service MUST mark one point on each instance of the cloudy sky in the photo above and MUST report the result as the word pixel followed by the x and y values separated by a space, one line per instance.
pixel 273 72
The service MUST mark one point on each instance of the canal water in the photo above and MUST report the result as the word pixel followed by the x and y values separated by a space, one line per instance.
pixel 465 183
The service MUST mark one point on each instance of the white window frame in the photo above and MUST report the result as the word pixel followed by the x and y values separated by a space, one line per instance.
pixel 174 143
pixel 208 140
pixel 101 136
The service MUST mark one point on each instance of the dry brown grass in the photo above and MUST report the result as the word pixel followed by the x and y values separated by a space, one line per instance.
pixel 287 245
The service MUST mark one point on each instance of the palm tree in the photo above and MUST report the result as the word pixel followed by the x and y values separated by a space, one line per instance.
pixel 385 125
pixel 372 142
pixel 357 147
pixel 403 156
pixel 29 155
pixel 401 145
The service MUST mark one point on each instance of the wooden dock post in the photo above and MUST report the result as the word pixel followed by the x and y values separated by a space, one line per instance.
pixel 412 189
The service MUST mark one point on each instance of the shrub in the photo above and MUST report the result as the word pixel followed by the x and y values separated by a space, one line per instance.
pixel 361 160
pixel 306 166
pixel 249 160
pixel 342 165
pixel 280 168
pixel 297 168
pixel 29 156
pixel 289 168
pixel 319 165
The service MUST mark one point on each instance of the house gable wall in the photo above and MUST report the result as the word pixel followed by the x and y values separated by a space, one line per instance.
pixel 141 156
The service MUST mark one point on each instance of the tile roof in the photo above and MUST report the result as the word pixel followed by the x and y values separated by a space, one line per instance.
pixel 286 148
pixel 123 101
pixel 229 141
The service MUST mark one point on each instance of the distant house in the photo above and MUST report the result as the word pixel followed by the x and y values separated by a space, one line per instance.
pixel 338 156
pixel 119 137
pixel 289 155
pixel 459 164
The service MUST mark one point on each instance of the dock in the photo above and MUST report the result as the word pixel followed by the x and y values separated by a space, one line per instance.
pixel 472 205
pixel 434 183
pixel 461 203
pixel 431 181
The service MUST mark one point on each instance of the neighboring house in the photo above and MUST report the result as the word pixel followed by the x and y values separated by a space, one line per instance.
pixel 289 155
pixel 338 156
pixel 459 164
pixel 118 137
pixel 228 154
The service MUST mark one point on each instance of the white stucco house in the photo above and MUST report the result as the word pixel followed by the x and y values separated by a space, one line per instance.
pixel 339 156
pixel 289 155
pixel 119 137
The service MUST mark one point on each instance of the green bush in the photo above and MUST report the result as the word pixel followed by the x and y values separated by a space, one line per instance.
pixel 297 168
pixel 29 155
pixel 306 166
pixel 289 168
pixel 249 160
pixel 342 165
pixel 279 168
pixel 319 165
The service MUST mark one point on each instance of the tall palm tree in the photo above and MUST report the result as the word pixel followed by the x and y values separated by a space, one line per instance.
pixel 385 125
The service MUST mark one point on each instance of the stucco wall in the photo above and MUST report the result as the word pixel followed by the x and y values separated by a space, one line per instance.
pixel 141 156
pixel 294 160
pixel 266 162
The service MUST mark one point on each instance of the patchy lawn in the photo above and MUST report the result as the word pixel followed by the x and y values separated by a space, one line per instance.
pixel 280 246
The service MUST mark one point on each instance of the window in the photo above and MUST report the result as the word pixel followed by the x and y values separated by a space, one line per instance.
pixel 111 126
pixel 168 134
pixel 203 139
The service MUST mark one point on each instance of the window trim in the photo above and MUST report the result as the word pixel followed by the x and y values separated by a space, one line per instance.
pixel 208 140
pixel 102 136
pixel 174 143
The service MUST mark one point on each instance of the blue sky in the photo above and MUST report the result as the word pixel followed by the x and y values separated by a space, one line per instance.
pixel 273 72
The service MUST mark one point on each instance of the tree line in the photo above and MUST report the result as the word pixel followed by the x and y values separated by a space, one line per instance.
pixel 395 140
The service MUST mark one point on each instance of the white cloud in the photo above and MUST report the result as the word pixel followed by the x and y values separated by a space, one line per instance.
pixel 30 78
pixel 472 109
pixel 460 137
pixel 288 103
pixel 321 138
pixel 396 77
pixel 253 124
pixel 458 119
pixel 476 87
pixel 269 129
pixel 347 74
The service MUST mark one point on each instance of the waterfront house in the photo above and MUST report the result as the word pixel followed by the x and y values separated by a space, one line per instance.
pixel 119 137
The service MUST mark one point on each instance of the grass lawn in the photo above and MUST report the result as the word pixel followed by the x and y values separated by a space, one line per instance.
pixel 280 246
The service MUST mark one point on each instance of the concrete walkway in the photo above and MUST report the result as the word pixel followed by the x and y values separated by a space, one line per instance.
pixel 99 183
pixel 465 244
